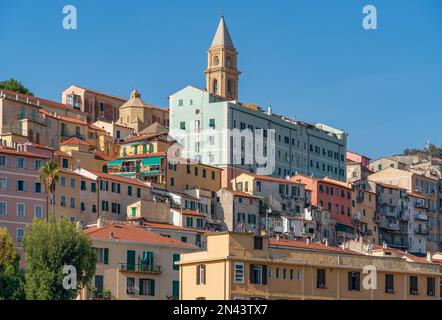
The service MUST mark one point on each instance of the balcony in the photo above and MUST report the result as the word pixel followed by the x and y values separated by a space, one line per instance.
pixel 421 217
pixel 392 214
pixel 421 231
pixel 392 226
pixel 140 268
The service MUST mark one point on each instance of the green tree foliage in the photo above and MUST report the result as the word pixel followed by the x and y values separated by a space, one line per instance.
pixel 16 86
pixel 11 278
pixel 50 246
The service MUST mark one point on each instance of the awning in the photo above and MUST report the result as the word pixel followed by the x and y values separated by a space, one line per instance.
pixel 115 163
pixel 152 161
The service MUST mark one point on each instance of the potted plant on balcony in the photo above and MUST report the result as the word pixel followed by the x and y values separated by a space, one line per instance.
pixel 106 294
pixel 93 293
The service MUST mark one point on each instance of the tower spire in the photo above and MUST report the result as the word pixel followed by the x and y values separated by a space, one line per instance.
pixel 222 74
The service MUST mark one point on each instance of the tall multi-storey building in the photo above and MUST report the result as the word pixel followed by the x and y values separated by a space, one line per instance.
pixel 357 167
pixel 22 197
pixel 421 185
pixel 215 128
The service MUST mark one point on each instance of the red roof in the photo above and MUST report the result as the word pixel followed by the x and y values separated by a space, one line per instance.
pixel 309 246
pixel 168 226
pixel 132 233
pixel 64 118
pixel 12 151
pixel 118 178
pixel 62 154
pixel 102 156
pixel 389 186
pixel 189 212
pixel 75 140
pixel 241 194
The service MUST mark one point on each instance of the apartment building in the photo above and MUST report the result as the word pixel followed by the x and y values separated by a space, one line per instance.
pixel 138 115
pixel 417 224
pixel 387 162
pixel 75 197
pixel 115 193
pixel 96 105
pixel 335 197
pixel 204 121
pixel 392 219
pixel 135 264
pixel 422 185
pixel 22 196
pixel 239 266
pixel 237 211
pixel 358 167
pixel 364 212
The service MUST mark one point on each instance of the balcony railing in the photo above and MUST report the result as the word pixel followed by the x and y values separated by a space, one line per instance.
pixel 140 268
pixel 423 232
pixel 393 214
pixel 422 217
pixel 393 226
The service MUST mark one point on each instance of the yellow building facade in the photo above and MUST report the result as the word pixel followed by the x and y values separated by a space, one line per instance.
pixel 241 266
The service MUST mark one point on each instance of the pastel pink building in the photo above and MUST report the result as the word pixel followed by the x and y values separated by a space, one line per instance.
pixel 22 196
pixel 355 157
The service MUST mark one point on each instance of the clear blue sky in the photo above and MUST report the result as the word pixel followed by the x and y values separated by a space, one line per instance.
pixel 309 59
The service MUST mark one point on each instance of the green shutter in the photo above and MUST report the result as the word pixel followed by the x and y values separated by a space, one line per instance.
pixel 176 258
pixel 152 287
pixel 106 256
pixel 141 286
pixel 130 259
pixel 175 288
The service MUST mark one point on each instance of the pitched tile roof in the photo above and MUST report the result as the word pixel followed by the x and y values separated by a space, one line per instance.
pixel 76 141
pixel 309 246
pixel 14 152
pixel 131 233
pixel 118 178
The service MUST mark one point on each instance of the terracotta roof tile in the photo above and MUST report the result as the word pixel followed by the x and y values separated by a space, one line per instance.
pixel 118 178
pixel 132 233
pixel 75 140
pixel 11 151
pixel 309 246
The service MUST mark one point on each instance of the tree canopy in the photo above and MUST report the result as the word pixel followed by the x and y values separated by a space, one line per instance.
pixel 16 86
pixel 49 247
pixel 11 278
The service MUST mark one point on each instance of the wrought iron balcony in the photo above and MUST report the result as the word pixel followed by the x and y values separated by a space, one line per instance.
pixel 140 268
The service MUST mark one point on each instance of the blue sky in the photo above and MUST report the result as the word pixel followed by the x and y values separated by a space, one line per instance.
pixel 306 58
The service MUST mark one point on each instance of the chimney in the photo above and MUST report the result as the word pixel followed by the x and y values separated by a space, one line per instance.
pixel 277 237
pixel 307 241
pixel 429 256
pixel 384 245
pixel 111 235
pixel 269 110
pixel 100 223
pixel 326 242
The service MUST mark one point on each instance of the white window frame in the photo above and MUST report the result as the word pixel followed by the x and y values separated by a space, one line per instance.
pixel 17 234
pixel 6 209
pixel 6 182
pixel 238 274
pixel 17 210
pixel 41 211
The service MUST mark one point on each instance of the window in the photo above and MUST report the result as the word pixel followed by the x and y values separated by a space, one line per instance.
pixel 212 123
pixel 257 243
pixel 213 175
pixel 104 206
pixel 130 285
pixel 102 255
pixel 320 278
pixel 20 163
pixel 138 192
pixel 38 212
pixel 93 187
pixel 20 210
pixel 72 183
pixel 3 184
pixel 239 272
pixel 3 208
pixel 147 287
pixel 414 285
pixel 183 125
pixel 19 234
pixel 354 281
pixel 431 286
pixel 258 274
pixel 184 239
pixel 3 161
pixel 129 190
pixel 37 187
pixel 180 102
pixel 389 283
pixel 37 165
pixel 201 274
pixel 21 185
pixel 189 222
pixel 176 258
pixel 277 273
pixel 65 163
pixel 82 206
pixel 83 185
pixel 72 203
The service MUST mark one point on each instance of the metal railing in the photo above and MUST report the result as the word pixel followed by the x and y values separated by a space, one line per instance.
pixel 140 267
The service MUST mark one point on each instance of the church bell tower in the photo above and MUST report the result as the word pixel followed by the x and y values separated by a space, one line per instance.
pixel 222 74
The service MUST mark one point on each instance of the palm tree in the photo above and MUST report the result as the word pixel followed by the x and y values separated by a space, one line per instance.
pixel 49 175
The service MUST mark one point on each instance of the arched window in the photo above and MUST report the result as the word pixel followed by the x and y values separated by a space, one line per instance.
pixel 229 62
pixel 144 148
pixel 229 88
pixel 215 86
pixel 215 60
